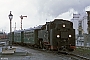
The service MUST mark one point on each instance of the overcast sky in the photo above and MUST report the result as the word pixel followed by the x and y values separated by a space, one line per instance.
pixel 38 11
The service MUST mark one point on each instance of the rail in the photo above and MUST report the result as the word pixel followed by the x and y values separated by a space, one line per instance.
pixel 83 47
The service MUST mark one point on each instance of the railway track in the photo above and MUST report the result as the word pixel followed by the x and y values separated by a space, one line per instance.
pixel 78 56
pixel 72 55
pixel 69 54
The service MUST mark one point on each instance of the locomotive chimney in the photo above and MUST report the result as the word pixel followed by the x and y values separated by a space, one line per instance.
pixel 88 21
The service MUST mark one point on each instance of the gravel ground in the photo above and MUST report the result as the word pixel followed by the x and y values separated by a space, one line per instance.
pixel 82 52
pixel 34 55
pixel 40 55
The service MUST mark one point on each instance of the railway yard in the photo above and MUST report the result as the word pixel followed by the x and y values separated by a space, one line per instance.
pixel 53 41
pixel 59 38
pixel 26 53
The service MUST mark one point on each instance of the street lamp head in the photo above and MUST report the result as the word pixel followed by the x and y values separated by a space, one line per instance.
pixel 10 16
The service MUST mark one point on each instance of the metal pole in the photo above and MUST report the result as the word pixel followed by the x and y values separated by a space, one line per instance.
pixel 21 20
pixel 21 24
pixel 10 34
pixel 15 26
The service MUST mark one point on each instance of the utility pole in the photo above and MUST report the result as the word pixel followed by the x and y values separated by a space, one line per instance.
pixel 15 26
pixel 88 21
pixel 21 20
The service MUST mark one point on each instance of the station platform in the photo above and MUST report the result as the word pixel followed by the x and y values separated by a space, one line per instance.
pixel 12 51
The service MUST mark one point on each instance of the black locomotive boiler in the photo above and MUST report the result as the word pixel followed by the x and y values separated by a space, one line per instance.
pixel 57 35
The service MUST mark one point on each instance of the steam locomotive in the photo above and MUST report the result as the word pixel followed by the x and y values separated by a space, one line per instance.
pixel 55 35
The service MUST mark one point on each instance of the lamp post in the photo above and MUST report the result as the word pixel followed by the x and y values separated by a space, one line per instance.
pixel 10 17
